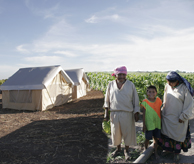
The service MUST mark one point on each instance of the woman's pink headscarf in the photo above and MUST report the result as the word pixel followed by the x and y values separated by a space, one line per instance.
pixel 118 70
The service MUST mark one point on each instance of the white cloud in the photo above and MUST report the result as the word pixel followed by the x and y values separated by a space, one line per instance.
pixel 115 16
pixel 60 29
pixel 55 38
pixel 44 60
pixel 138 53
pixel 164 53
pixel 46 12
pixel 96 19
pixel 21 49
pixel 66 53
pixel 152 41
pixel 92 19
pixel 151 35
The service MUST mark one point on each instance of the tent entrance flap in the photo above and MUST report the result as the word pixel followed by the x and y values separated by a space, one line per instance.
pixel 56 93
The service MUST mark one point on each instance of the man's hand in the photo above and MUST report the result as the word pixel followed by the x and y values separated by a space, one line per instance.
pixel 106 116
pixel 181 121
pixel 136 117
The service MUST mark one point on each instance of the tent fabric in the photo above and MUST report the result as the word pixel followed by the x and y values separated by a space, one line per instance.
pixel 76 75
pixel 57 93
pixel 81 83
pixel 33 78
pixel 82 89
pixel 19 103
pixel 38 88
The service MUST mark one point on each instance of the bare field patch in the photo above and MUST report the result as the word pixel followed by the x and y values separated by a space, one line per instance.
pixel 70 133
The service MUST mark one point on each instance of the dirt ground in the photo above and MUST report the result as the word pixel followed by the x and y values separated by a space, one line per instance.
pixel 70 133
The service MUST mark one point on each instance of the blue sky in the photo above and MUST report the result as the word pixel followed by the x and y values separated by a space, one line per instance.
pixel 97 35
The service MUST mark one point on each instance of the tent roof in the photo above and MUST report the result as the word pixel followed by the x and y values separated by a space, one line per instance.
pixel 76 75
pixel 33 78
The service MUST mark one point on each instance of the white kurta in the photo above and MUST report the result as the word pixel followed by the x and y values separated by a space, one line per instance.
pixel 123 103
pixel 178 104
pixel 124 99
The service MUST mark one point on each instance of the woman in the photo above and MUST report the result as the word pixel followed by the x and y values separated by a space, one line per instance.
pixel 177 110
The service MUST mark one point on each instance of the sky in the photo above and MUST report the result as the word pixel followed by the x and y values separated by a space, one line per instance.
pixel 97 35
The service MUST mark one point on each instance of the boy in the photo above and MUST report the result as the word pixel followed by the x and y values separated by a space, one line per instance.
pixel 152 117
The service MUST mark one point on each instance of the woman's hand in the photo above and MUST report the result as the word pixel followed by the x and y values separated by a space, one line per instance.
pixel 181 121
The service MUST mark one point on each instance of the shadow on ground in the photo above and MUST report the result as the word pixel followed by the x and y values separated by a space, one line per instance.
pixel 73 140
pixel 80 107
pixel 70 133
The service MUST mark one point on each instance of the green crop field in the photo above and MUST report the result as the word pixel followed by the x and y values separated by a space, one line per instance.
pixel 100 80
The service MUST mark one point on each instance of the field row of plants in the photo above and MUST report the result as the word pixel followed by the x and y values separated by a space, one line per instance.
pixel 100 80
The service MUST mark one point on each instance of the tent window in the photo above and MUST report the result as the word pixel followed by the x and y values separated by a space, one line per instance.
pixel 20 96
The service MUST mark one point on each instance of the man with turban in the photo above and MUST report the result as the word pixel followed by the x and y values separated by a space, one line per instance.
pixel 123 102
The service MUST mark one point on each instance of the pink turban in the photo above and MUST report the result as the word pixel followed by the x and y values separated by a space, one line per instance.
pixel 118 70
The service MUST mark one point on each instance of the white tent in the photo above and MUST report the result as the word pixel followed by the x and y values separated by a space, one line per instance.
pixel 81 83
pixel 37 88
